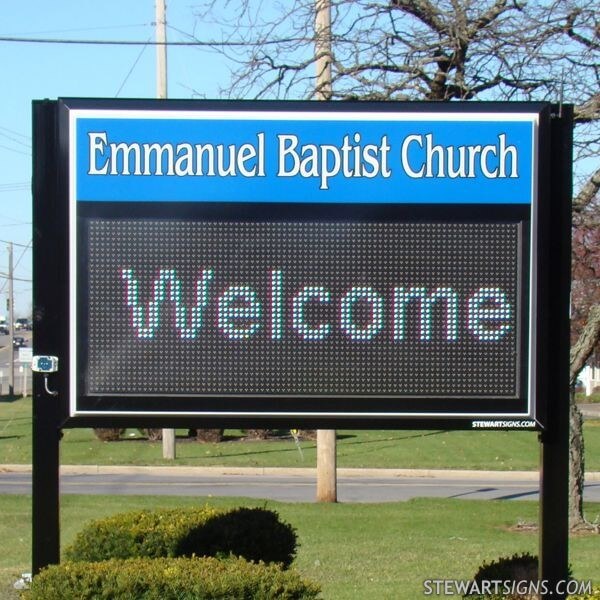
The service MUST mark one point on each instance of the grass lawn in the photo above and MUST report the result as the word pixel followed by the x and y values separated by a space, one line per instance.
pixel 592 399
pixel 513 450
pixel 352 550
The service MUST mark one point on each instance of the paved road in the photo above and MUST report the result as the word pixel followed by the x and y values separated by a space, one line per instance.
pixel 589 410
pixel 290 488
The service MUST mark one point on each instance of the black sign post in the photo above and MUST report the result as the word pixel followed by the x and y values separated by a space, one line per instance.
pixel 391 266
pixel 553 374
pixel 50 331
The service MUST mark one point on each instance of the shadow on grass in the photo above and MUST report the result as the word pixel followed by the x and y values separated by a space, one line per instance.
pixel 10 437
pixel 15 419
pixel 310 444
pixel 12 398
pixel 313 444
pixel 183 439
pixel 394 439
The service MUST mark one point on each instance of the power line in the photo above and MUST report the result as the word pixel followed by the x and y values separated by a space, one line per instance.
pixel 26 246
pixel 10 277
pixel 197 43
pixel 6 276
pixel 16 133
pixel 25 40
pixel 132 68
pixel 15 187
pixel 15 150
pixel 22 254
pixel 14 139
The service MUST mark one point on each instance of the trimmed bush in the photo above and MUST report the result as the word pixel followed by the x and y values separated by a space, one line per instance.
pixel 307 434
pixel 518 567
pixel 208 435
pixel 254 533
pixel 169 579
pixel 108 434
pixel 258 434
pixel 146 533
pixel 153 435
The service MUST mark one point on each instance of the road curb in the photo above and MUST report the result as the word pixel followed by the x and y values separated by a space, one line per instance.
pixel 190 471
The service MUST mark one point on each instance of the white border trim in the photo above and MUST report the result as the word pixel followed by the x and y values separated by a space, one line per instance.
pixel 289 115
pixel 75 114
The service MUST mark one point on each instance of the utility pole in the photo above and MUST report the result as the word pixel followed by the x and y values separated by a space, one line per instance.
pixel 168 435
pixel 11 323
pixel 326 438
pixel 323 49
pixel 161 49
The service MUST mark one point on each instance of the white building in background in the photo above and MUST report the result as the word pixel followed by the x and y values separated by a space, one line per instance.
pixel 590 377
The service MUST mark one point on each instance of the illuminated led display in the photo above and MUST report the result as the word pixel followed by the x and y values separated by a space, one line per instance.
pixel 208 308
pixel 310 264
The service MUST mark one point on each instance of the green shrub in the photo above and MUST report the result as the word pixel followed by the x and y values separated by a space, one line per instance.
pixel 208 435
pixel 146 533
pixel 169 579
pixel 519 567
pixel 108 434
pixel 153 435
pixel 583 399
pixel 256 534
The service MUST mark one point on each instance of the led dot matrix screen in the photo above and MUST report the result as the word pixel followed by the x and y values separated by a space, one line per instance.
pixel 304 308
pixel 249 275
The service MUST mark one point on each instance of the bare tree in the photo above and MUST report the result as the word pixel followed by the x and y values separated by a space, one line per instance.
pixel 446 50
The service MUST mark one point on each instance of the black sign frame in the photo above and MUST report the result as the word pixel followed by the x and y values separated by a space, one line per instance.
pixel 53 222
pixel 549 379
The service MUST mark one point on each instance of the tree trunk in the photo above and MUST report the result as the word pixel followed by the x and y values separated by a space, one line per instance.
pixel 580 353
pixel 576 466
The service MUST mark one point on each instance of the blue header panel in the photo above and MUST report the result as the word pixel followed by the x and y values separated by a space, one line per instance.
pixel 303 157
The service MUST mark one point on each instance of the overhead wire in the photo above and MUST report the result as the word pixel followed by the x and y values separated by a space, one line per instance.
pixel 15 150
pixel 16 133
pixel 15 187
pixel 199 43
pixel 5 275
pixel 132 68
pixel 28 245
pixel 14 139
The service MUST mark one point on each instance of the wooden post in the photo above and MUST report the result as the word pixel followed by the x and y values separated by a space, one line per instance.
pixel 326 466
pixel 168 435
pixel 326 438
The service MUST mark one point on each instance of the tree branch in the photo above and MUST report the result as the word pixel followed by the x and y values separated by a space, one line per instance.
pixel 569 28
pixel 587 341
pixel 422 10
pixel 587 193
pixel 589 111
pixel 485 19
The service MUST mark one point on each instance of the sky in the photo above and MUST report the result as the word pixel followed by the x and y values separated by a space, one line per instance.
pixel 37 71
